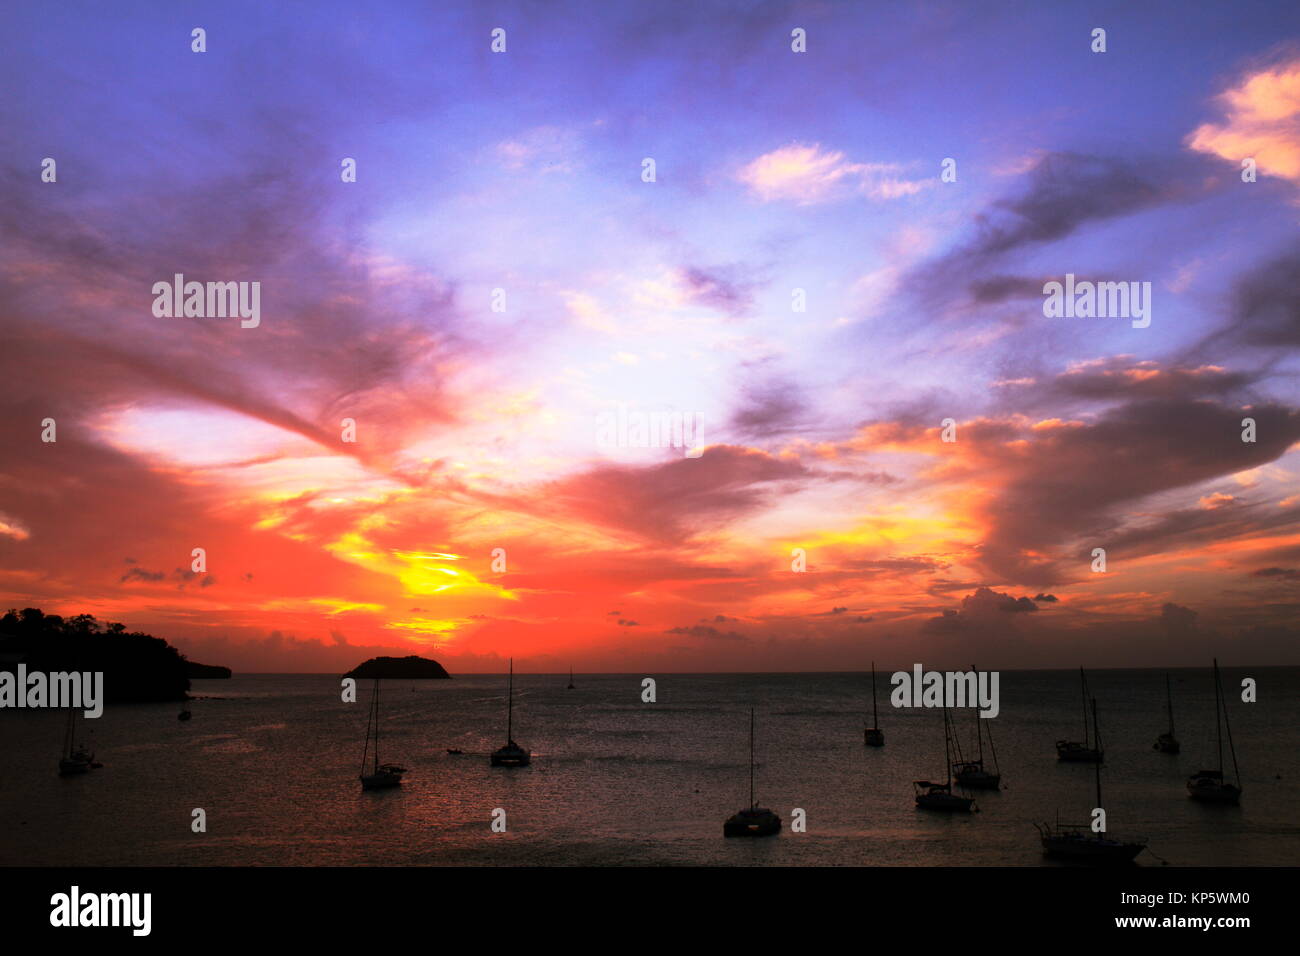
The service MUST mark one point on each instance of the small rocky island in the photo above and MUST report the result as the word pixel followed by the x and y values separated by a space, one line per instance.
pixel 400 668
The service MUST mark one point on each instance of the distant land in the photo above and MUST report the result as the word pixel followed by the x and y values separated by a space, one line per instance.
pixel 137 667
pixel 401 668
pixel 196 671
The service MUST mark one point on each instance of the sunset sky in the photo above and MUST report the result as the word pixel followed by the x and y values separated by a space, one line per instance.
pixel 775 171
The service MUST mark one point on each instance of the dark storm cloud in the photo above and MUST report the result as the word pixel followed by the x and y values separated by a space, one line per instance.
pixel 1001 288
pixel 1065 192
pixel 140 574
pixel 1070 482
pixel 1265 309
pixel 704 632
pixel 979 609
pixel 719 288
pixel 677 499
pixel 1288 574
pixel 768 410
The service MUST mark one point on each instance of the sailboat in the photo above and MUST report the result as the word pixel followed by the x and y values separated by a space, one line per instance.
pixel 1073 751
pixel 873 736
pixel 753 821
pixel 76 759
pixel 511 755
pixel 1075 841
pixel 382 775
pixel 972 774
pixel 1167 743
pixel 939 796
pixel 570 687
pixel 1209 785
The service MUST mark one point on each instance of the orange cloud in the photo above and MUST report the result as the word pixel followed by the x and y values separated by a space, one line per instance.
pixel 1262 122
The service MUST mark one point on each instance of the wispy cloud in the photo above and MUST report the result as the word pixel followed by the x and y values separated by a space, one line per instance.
pixel 811 174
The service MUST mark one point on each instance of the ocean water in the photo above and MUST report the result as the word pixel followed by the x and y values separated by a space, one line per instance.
pixel 274 760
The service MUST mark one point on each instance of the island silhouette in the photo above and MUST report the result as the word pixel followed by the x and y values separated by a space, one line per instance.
pixel 400 668
pixel 137 667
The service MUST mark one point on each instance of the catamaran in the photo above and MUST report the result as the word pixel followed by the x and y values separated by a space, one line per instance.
pixel 1075 841
pixel 1209 785
pixel 382 775
pixel 873 736
pixel 753 821
pixel 511 755
pixel 931 795
pixel 1167 743
pixel 1071 750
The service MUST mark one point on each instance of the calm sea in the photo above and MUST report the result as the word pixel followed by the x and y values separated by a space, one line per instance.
pixel 274 759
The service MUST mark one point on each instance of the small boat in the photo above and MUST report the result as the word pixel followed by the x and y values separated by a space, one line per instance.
pixel 454 750
pixel 78 759
pixel 1167 743
pixel 873 736
pixel 753 821
pixel 1210 786
pixel 1077 842
pixel 1072 751
pixel 511 755
pixel 570 687
pixel 939 796
pixel 70 765
pixel 972 774
pixel 382 775
pixel 931 795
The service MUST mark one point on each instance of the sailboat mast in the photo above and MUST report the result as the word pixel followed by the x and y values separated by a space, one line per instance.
pixel 1218 720
pixel 376 705
pixel 751 756
pixel 992 748
pixel 1083 684
pixel 370 719
pixel 1226 723
pixel 1169 704
pixel 510 703
pixel 979 730
pixel 1097 763
pixel 875 718
pixel 947 755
